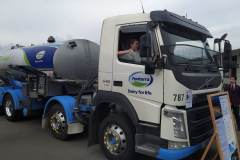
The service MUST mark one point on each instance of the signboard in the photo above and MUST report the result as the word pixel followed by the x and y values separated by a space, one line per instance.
pixel 224 127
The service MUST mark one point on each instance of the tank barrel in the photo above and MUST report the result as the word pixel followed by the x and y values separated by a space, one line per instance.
pixel 77 60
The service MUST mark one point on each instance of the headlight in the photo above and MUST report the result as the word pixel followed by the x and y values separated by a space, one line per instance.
pixel 178 123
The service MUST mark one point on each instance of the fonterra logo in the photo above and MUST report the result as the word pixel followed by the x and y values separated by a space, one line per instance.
pixel 40 55
pixel 139 79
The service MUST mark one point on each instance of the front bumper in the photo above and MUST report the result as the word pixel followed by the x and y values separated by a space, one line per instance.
pixel 175 154
pixel 154 146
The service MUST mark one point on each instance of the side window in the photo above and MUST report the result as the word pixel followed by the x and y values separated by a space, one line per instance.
pixel 129 44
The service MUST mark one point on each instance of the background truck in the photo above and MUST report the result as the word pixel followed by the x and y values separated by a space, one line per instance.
pixel 157 107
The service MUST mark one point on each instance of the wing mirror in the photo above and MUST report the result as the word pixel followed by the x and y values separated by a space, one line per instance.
pixel 227 56
pixel 145 51
pixel 145 45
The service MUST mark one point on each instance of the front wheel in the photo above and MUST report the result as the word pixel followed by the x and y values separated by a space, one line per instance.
pixel 9 109
pixel 57 122
pixel 116 138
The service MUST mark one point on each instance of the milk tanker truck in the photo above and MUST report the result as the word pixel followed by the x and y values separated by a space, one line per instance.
pixel 156 107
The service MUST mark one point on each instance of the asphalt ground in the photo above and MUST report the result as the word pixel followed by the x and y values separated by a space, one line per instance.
pixel 26 140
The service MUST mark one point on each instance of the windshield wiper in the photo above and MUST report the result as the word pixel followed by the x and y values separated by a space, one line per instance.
pixel 206 83
pixel 199 59
pixel 209 66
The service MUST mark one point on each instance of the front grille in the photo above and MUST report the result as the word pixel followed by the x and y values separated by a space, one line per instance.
pixel 199 100
pixel 199 124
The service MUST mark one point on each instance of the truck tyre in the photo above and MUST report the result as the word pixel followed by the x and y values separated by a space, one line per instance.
pixel 57 122
pixel 10 112
pixel 116 138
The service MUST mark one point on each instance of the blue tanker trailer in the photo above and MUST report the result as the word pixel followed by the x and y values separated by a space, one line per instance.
pixel 56 80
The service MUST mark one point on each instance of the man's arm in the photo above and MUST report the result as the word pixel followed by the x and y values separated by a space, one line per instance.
pixel 123 52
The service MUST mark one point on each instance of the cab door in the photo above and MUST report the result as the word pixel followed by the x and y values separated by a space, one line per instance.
pixel 144 91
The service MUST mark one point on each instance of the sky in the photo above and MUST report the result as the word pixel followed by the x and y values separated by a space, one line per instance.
pixel 32 21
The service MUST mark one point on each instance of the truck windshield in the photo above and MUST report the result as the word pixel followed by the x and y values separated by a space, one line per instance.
pixel 185 47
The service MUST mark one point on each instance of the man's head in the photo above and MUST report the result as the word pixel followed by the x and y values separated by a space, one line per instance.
pixel 233 80
pixel 134 44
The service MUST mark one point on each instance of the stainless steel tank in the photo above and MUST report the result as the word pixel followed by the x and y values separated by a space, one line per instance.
pixel 77 60
pixel 39 57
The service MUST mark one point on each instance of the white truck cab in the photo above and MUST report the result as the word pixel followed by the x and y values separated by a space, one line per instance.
pixel 157 106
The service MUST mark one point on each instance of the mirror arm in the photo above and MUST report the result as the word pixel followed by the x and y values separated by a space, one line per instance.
pixel 160 61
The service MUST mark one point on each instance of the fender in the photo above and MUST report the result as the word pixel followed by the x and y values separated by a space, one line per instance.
pixel 17 97
pixel 102 102
pixel 120 100
pixel 3 91
pixel 67 102
pixel 15 90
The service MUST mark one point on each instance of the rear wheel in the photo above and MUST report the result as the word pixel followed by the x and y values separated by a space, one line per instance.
pixel 11 113
pixel 57 122
pixel 116 138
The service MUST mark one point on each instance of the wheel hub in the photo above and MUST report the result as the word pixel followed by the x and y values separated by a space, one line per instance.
pixel 8 109
pixel 115 139
pixel 57 122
